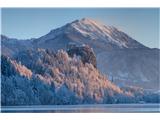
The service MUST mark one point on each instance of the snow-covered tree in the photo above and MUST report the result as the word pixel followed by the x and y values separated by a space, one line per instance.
pixel 44 77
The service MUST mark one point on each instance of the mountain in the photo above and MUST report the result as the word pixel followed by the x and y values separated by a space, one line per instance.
pixel 124 60
pixel 84 31
pixel 87 31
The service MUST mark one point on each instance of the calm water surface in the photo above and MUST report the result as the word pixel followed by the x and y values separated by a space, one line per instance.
pixel 104 108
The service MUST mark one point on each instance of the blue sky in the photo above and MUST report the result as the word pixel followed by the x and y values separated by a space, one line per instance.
pixel 140 24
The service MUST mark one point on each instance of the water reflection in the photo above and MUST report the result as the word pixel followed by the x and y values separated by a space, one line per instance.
pixel 101 108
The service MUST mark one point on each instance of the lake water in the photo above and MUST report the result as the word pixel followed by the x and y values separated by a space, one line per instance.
pixel 100 108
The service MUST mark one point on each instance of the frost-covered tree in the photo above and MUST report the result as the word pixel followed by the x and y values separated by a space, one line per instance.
pixel 44 77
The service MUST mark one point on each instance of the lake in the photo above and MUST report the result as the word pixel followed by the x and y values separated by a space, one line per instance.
pixel 98 108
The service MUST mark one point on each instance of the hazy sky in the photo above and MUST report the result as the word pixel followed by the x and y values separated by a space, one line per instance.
pixel 140 24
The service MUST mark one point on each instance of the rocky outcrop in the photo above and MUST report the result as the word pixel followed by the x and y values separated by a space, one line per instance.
pixel 85 52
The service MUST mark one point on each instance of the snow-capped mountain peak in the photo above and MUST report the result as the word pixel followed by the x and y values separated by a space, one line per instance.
pixel 87 30
pixel 88 21
pixel 88 25
pixel 108 34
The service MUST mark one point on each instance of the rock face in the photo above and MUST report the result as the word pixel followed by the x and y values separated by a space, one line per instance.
pixel 85 52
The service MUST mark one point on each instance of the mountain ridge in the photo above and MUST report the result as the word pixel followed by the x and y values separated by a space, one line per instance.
pixel 90 25
pixel 90 29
